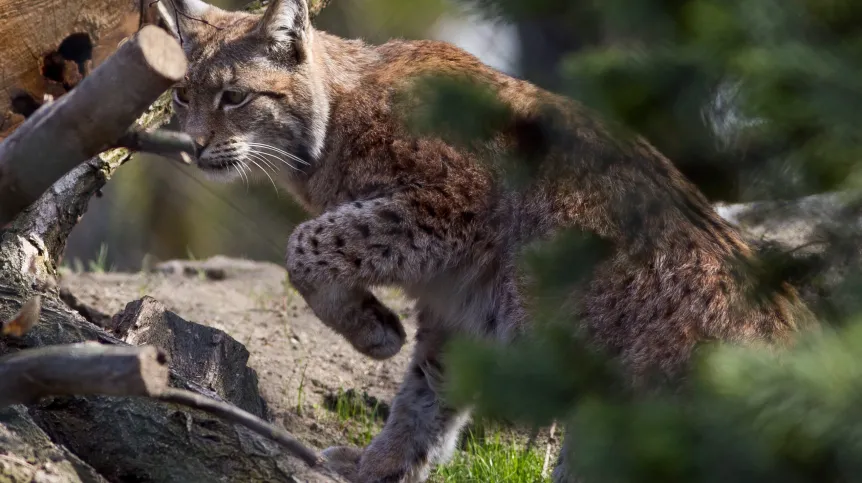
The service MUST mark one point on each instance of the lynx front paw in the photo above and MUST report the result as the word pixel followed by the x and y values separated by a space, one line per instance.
pixel 343 460
pixel 384 462
pixel 380 333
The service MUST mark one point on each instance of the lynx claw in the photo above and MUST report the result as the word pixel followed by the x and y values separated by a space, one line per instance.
pixel 343 460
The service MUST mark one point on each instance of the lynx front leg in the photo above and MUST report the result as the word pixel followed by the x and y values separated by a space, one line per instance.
pixel 421 430
pixel 334 257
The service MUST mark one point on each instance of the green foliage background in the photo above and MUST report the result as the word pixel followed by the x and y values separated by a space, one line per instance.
pixel 754 99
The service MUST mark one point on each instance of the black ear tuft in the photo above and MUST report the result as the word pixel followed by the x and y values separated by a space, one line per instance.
pixel 286 20
pixel 287 28
pixel 179 17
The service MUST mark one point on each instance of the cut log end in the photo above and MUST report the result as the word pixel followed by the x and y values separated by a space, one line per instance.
pixel 161 52
pixel 82 369
pixel 154 370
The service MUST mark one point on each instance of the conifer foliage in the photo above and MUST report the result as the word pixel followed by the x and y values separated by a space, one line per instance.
pixel 762 97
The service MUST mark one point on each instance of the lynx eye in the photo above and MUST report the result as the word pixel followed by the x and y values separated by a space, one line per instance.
pixel 181 95
pixel 233 98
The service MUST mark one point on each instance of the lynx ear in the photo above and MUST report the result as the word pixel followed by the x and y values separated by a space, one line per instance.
pixel 180 15
pixel 286 23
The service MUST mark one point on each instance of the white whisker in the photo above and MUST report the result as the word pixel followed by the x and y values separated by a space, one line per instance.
pixel 273 148
pixel 243 166
pixel 275 157
pixel 280 151
pixel 257 156
pixel 239 171
pixel 259 161
pixel 262 157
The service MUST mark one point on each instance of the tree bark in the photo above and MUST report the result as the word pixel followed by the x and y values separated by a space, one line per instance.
pixel 205 355
pixel 46 46
pixel 87 120
pixel 29 456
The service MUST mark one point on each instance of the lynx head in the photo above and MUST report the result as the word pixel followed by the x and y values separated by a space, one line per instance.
pixel 253 96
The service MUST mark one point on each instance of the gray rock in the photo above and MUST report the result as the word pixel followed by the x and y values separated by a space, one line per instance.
pixel 204 355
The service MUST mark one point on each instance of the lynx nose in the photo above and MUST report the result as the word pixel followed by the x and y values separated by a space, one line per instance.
pixel 201 142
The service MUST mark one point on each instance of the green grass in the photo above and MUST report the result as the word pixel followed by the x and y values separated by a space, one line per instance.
pixel 498 457
pixel 100 264
pixel 360 417
pixel 301 393
pixel 488 453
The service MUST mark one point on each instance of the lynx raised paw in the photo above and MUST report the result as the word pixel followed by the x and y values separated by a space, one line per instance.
pixel 380 334
pixel 344 460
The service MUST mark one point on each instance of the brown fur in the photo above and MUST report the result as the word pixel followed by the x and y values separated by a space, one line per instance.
pixel 432 217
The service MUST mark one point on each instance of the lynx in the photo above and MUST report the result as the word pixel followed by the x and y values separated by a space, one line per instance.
pixel 392 207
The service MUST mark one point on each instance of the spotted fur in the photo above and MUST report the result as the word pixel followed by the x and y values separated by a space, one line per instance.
pixel 394 208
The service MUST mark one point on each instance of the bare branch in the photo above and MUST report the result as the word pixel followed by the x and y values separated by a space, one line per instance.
pixel 65 133
pixel 238 416
pixel 170 144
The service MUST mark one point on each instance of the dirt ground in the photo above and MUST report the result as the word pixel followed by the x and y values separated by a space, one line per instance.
pixel 300 362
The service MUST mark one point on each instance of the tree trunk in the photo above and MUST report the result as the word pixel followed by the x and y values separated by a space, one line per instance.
pixel 47 46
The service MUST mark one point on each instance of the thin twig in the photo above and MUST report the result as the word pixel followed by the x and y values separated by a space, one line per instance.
pixel 197 19
pixel 171 144
pixel 238 416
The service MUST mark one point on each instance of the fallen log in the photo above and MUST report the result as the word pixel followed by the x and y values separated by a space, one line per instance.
pixel 816 240
pixel 87 120
pixel 29 456
pixel 124 438
pixel 82 370
pixel 96 369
